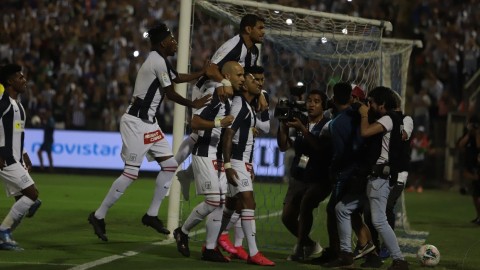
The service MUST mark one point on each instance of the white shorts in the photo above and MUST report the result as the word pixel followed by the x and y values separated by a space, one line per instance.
pixel 206 174
pixel 402 177
pixel 15 178
pixel 142 139
pixel 243 170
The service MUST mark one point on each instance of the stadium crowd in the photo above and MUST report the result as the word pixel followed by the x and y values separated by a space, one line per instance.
pixel 82 62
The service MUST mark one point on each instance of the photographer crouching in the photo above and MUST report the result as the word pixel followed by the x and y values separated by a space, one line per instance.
pixel 310 183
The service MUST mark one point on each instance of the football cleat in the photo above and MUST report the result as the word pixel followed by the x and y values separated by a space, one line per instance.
pixel 225 243
pixel 361 251
pixel 155 223
pixel 216 250
pixel 259 259
pixel 213 255
pixel 98 226
pixel 34 208
pixel 241 254
pixel 182 241
pixel 4 246
pixel 7 239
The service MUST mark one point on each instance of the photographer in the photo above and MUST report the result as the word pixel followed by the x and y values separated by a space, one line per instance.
pixel 384 173
pixel 471 144
pixel 310 184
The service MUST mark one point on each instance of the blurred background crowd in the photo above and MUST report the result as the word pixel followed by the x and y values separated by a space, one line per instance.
pixel 81 57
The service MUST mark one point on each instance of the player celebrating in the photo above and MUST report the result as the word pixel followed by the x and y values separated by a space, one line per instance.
pixel 241 48
pixel 263 124
pixel 140 132
pixel 16 178
pixel 238 146
pixel 206 167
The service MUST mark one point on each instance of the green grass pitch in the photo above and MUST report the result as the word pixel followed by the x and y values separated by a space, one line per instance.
pixel 59 236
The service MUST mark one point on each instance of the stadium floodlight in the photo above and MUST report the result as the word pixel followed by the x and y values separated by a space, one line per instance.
pixel 324 40
pixel 145 34
pixel 289 21
pixel 299 83
pixel 135 54
pixel 345 31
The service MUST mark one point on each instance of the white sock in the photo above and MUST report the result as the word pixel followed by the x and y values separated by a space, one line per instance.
pixel 200 212
pixel 248 225
pixel 162 184
pixel 235 217
pixel 17 212
pixel 15 224
pixel 130 174
pixel 227 215
pixel 186 148
pixel 239 235
pixel 213 224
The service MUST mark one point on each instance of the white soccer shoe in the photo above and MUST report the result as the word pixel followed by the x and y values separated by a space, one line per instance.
pixel 313 250
pixel 184 179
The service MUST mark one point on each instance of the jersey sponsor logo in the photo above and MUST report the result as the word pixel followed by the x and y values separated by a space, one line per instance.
pixel 216 163
pixel 19 126
pixel 218 58
pixel 165 78
pixel 249 167
pixel 153 137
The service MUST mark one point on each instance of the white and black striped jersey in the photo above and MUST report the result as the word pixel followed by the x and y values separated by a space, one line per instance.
pixel 12 129
pixel 263 118
pixel 155 74
pixel 233 50
pixel 245 120
pixel 208 140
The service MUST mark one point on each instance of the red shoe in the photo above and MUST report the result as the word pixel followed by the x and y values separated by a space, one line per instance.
pixel 217 250
pixel 241 254
pixel 259 259
pixel 225 243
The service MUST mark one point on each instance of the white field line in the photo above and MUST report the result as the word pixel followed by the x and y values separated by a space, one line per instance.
pixel 39 263
pixel 142 249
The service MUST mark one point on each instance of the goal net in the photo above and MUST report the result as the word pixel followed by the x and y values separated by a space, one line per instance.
pixel 315 48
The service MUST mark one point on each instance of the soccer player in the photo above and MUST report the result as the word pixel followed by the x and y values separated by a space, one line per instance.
pixel 237 147
pixel 241 48
pixel 263 124
pixel 140 132
pixel 209 120
pixel 15 177
pixel 48 129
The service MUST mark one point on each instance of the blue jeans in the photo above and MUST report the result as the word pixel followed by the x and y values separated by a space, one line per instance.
pixel 378 191
pixel 343 211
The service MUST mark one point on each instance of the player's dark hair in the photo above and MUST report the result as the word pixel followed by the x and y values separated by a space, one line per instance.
pixel 254 70
pixel 249 20
pixel 322 95
pixel 7 71
pixel 158 33
pixel 384 96
pixel 342 92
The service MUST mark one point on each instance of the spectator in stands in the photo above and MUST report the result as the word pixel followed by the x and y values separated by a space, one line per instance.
pixel 420 146
pixel 420 103
pixel 59 111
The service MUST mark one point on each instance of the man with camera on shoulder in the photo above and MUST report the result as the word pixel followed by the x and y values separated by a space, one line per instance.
pixel 310 184
pixel 471 144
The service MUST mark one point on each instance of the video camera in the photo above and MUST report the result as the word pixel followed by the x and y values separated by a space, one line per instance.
pixel 287 110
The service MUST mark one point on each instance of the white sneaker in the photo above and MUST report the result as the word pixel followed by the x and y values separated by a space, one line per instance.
pixel 185 183
pixel 313 250
pixel 293 253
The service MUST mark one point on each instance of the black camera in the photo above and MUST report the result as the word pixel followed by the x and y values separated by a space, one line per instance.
pixel 287 110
